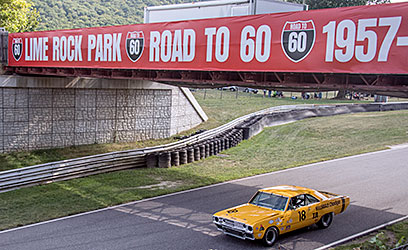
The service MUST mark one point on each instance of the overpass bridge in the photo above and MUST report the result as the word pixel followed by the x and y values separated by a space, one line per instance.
pixel 105 88
pixel 359 48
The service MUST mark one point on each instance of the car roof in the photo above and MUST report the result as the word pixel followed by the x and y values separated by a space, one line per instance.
pixel 288 190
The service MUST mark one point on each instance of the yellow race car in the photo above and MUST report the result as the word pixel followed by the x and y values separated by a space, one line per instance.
pixel 277 210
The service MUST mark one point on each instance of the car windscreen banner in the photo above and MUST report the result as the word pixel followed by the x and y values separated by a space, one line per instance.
pixel 363 39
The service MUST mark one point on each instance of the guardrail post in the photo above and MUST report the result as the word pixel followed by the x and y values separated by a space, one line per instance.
pixel 197 153
pixel 211 148
pixel 183 156
pixel 152 160
pixel 202 151
pixel 207 149
pixel 175 158
pixel 165 160
pixel 227 144
pixel 222 144
pixel 190 154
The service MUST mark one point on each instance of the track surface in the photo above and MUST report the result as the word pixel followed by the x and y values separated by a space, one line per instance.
pixel 376 182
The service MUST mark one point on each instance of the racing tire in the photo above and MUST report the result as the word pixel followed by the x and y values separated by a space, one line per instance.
pixel 270 237
pixel 325 221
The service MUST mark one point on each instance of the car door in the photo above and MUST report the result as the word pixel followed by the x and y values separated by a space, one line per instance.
pixel 293 216
pixel 313 214
pixel 300 213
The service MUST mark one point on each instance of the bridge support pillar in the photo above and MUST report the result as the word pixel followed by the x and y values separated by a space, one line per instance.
pixel 49 112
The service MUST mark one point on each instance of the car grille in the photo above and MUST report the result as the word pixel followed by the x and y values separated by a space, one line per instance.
pixel 234 224
pixel 234 228
pixel 229 223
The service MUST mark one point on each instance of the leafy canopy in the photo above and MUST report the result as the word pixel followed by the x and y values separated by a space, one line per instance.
pixel 322 4
pixel 18 15
pixel 68 14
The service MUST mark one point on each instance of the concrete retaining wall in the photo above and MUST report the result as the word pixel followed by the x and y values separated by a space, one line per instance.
pixel 37 113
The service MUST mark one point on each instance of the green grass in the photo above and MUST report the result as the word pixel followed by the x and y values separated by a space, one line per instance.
pixel 384 239
pixel 28 158
pixel 219 110
pixel 288 145
pixel 224 106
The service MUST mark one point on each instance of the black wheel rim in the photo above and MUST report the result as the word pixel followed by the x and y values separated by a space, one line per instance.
pixel 326 220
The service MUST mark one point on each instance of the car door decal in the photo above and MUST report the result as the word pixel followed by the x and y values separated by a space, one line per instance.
pixel 302 215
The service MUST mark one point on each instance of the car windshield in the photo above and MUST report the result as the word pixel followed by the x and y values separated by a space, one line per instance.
pixel 272 201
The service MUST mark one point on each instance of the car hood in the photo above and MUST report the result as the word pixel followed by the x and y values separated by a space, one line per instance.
pixel 248 213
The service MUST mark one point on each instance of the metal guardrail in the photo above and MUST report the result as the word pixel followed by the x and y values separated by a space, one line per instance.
pixel 90 165
pixel 95 164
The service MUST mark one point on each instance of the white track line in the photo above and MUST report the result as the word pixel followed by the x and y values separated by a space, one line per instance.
pixel 361 233
pixel 395 147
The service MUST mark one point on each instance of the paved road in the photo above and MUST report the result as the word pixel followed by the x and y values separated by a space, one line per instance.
pixel 376 182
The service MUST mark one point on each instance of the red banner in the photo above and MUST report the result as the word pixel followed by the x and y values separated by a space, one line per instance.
pixel 363 39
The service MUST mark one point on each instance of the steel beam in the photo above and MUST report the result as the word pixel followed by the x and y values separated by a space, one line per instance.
pixel 391 85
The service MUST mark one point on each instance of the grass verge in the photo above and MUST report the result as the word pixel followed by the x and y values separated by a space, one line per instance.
pixel 388 238
pixel 224 106
pixel 275 148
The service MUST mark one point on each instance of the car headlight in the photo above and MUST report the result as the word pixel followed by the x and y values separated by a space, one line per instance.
pixel 216 219
pixel 250 229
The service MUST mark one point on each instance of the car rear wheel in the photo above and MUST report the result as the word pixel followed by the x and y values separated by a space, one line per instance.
pixel 270 237
pixel 325 221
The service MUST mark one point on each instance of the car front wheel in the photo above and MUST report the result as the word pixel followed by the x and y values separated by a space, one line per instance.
pixel 325 221
pixel 270 237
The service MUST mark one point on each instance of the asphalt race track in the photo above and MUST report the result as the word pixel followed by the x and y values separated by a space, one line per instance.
pixel 376 182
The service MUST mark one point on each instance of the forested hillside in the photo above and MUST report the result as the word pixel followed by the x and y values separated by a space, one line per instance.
pixel 66 14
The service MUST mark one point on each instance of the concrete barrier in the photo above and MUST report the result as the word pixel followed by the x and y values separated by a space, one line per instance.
pixel 256 124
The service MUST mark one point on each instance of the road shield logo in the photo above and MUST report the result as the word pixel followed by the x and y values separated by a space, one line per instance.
pixel 17 48
pixel 134 45
pixel 298 39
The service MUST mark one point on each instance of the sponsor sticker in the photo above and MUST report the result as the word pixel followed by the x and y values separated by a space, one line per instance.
pixel 329 204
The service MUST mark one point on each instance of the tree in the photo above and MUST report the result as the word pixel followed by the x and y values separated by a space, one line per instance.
pixel 374 2
pixel 322 4
pixel 18 15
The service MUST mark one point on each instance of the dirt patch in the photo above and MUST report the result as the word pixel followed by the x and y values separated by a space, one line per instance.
pixel 370 115
pixel 163 185
pixel 223 155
